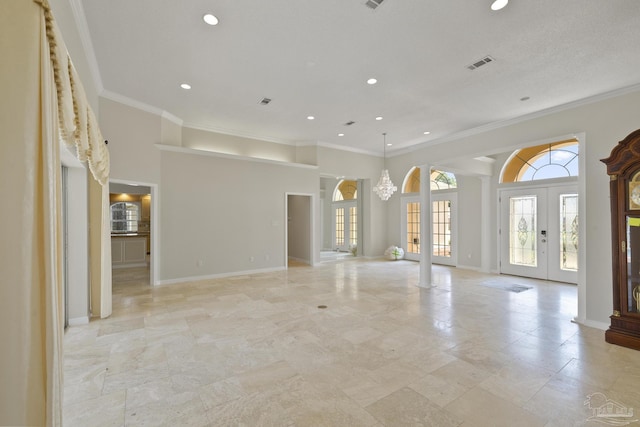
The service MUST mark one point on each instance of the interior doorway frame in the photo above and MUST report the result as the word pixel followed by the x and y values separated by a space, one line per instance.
pixel 312 227
pixel 154 263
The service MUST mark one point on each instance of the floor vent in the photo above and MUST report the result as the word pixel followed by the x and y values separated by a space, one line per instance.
pixel 264 101
pixel 480 62
pixel 373 4
pixel 349 123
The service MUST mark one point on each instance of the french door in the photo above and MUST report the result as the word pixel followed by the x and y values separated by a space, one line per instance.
pixel 444 228
pixel 539 233
pixel 345 226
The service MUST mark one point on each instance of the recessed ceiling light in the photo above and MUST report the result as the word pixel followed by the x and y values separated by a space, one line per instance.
pixel 389 144
pixel 210 19
pixel 499 4
pixel 310 117
pixel 372 81
pixel 341 134
pixel 427 133
pixel 185 86
pixel 379 118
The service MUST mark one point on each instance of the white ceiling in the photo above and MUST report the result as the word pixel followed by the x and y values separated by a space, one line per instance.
pixel 314 57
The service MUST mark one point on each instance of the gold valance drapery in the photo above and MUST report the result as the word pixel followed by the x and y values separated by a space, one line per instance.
pixel 78 127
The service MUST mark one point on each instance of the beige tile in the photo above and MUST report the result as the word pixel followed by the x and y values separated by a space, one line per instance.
pixel 405 407
pixel 105 411
pixel 478 407
pixel 257 350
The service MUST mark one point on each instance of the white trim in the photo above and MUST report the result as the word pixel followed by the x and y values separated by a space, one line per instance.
pixel 193 151
pixel 85 37
pixel 154 264
pixel 77 321
pixel 468 267
pixel 122 99
pixel 590 323
pixel 175 119
pixel 312 227
pixel 218 276
pixel 134 264
pixel 504 123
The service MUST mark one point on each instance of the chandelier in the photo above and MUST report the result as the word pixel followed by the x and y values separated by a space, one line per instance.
pixel 385 188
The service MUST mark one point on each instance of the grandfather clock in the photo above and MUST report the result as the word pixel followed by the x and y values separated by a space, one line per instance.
pixel 623 167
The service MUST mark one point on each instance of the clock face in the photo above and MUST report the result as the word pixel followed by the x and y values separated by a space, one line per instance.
pixel 635 195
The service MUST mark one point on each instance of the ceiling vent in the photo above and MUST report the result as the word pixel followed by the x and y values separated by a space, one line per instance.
pixel 480 62
pixel 349 123
pixel 373 4
pixel 264 101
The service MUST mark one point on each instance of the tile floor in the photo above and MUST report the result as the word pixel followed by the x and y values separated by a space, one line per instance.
pixel 258 351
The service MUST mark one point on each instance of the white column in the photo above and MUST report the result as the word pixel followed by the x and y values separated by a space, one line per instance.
pixel 425 227
pixel 485 224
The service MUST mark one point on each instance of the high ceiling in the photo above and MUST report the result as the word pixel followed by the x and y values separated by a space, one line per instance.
pixel 313 58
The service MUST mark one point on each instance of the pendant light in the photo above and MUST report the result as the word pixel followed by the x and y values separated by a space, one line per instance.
pixel 385 188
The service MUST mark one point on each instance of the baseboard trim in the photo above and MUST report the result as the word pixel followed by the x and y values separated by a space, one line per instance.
pixel 590 323
pixel 218 276
pixel 77 321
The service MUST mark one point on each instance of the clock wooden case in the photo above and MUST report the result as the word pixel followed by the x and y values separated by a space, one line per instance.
pixel 623 168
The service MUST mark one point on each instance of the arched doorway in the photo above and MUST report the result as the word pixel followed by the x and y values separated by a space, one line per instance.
pixel 443 204
pixel 538 200
pixel 345 216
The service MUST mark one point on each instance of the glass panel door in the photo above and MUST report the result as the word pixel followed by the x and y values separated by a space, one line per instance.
pixel 443 217
pixel 411 228
pixel 345 226
pixel 523 233
pixel 539 233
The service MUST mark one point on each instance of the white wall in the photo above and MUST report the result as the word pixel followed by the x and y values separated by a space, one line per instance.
pixel 236 145
pixel 223 216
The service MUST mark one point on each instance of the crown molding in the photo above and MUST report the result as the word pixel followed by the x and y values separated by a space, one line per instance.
pixel 85 38
pixel 175 119
pixel 509 122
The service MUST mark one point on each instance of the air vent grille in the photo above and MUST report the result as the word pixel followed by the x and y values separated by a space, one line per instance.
pixel 349 123
pixel 480 62
pixel 373 4
pixel 264 101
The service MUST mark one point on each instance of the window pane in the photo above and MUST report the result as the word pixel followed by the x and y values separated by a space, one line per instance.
pixel 442 228
pixel 413 228
pixel 340 227
pixel 522 231
pixel 569 232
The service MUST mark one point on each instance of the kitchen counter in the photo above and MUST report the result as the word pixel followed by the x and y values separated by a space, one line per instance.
pixel 129 250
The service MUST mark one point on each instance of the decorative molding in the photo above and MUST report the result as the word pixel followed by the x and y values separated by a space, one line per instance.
pixel 85 37
pixel 175 119
pixel 218 276
pixel 193 151
pixel 504 123
pixel 113 96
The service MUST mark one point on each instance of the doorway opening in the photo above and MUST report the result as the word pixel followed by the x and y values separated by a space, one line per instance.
pixel 299 243
pixel 134 232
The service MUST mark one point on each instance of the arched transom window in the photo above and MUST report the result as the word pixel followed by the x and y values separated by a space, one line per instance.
pixel 346 190
pixel 439 180
pixel 555 160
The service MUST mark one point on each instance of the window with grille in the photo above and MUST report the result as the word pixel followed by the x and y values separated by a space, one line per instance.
pixel 124 217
